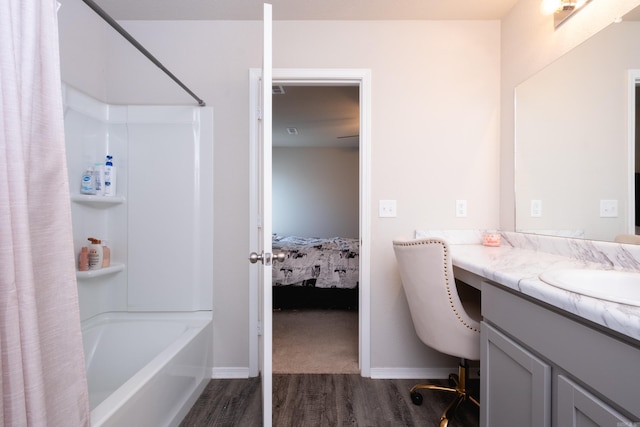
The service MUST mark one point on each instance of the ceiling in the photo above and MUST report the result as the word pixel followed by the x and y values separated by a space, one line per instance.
pixel 307 9
pixel 322 116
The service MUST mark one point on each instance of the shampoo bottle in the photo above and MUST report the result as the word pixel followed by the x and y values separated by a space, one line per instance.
pixel 83 259
pixel 88 182
pixel 109 177
pixel 95 254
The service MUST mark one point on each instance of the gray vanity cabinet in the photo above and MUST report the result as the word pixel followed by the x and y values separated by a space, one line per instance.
pixel 540 367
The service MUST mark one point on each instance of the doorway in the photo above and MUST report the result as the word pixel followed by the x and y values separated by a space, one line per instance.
pixel 315 176
pixel 360 79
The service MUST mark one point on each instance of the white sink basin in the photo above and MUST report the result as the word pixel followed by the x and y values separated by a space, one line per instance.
pixel 610 285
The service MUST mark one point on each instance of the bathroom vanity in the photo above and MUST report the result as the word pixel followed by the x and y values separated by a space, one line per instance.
pixel 551 357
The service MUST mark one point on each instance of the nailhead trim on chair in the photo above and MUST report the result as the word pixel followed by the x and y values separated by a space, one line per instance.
pixel 446 276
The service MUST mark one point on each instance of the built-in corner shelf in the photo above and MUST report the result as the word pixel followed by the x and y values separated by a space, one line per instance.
pixel 97 201
pixel 112 269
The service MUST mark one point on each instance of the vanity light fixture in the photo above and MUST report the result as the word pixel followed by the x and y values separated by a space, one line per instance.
pixel 562 9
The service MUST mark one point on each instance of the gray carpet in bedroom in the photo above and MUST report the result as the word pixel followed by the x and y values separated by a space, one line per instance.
pixel 315 342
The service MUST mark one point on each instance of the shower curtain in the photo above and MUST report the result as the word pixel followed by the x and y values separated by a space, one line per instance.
pixel 42 375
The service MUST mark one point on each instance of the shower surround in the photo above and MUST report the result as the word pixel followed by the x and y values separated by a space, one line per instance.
pixel 159 226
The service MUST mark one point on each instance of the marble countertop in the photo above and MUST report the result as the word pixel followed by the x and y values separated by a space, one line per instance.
pixel 519 268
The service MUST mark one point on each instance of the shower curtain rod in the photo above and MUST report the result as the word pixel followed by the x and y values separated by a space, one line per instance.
pixel 104 15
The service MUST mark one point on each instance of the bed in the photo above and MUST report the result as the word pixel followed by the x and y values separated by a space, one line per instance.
pixel 316 273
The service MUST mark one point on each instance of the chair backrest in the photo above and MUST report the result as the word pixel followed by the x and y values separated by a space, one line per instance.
pixel 438 315
pixel 631 239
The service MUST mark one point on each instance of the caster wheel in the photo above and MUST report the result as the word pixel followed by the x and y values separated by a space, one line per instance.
pixel 416 398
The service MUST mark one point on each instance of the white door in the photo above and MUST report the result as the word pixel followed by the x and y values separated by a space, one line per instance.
pixel 263 257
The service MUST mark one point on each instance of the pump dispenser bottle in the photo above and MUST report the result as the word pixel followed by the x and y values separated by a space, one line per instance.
pixel 95 254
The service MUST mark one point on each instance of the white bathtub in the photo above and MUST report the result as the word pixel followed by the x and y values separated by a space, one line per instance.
pixel 145 369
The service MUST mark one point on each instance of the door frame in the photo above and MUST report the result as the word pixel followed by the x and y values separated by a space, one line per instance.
pixel 326 77
pixel 633 81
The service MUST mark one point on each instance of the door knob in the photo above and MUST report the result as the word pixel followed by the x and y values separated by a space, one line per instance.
pixel 254 257
pixel 265 258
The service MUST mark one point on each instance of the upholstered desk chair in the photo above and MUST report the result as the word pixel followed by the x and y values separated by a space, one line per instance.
pixel 631 239
pixel 440 319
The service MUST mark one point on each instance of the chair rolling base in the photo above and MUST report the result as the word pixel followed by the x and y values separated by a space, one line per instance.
pixel 459 387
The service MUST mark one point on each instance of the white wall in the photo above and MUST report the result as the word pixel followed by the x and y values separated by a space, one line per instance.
pixel 83 48
pixel 315 192
pixel 435 124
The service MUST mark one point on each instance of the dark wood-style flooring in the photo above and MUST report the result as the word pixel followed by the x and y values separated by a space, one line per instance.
pixel 325 400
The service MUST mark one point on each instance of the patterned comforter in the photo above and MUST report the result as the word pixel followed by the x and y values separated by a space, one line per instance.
pixel 322 263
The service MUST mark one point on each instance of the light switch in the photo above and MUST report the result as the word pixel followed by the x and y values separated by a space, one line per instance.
pixel 387 209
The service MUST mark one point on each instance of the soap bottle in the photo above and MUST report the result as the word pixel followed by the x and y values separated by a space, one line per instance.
pixel 83 259
pixel 98 179
pixel 88 182
pixel 95 254
pixel 109 177
pixel 106 255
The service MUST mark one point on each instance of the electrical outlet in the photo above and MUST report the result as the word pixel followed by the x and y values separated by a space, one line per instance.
pixel 608 208
pixel 536 208
pixel 461 208
pixel 387 209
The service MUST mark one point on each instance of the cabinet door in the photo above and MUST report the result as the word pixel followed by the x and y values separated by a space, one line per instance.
pixel 577 407
pixel 515 385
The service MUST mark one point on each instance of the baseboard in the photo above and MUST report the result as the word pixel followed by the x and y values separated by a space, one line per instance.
pixel 229 373
pixel 377 373
pixel 418 373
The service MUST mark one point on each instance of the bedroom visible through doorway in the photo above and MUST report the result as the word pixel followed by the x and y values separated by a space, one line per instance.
pixel 316 224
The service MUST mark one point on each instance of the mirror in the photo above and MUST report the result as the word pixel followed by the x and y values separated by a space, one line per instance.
pixel 573 173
